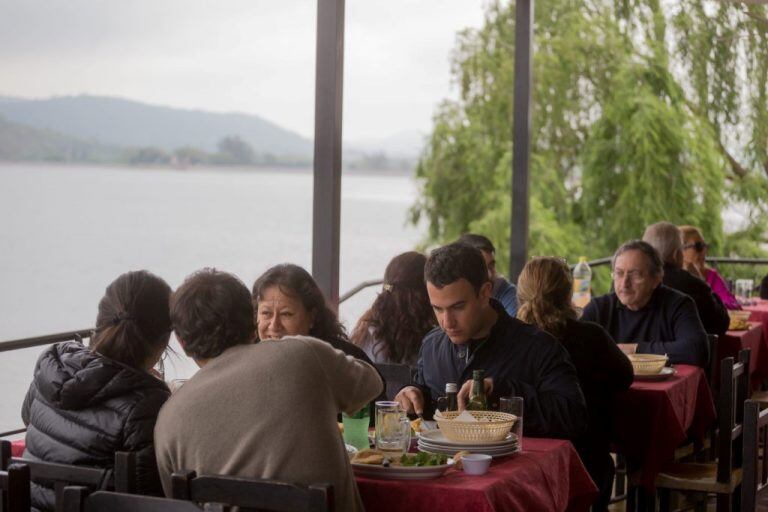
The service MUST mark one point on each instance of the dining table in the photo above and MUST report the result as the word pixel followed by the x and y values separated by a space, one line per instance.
pixel 547 475
pixel 759 357
pixel 653 418
pixel 752 338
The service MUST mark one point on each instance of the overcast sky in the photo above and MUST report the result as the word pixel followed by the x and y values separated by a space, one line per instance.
pixel 254 56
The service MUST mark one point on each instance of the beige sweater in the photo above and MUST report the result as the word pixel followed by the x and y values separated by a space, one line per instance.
pixel 268 411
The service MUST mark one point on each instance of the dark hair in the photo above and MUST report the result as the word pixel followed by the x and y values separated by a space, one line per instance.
pixel 455 261
pixel 401 315
pixel 655 265
pixel 133 323
pixel 211 312
pixel 544 291
pixel 297 282
pixel 480 242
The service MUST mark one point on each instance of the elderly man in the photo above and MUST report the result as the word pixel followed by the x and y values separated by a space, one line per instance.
pixel 667 239
pixel 645 316
pixel 503 291
pixel 476 333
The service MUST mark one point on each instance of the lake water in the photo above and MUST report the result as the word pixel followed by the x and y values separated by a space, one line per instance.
pixel 67 231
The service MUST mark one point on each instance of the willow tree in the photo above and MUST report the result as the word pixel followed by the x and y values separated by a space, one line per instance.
pixel 642 111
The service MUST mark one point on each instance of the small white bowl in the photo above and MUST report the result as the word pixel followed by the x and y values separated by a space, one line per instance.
pixel 476 463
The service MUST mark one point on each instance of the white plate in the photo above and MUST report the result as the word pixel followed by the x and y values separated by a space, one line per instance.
pixel 452 451
pixel 436 437
pixel 473 449
pixel 664 374
pixel 401 472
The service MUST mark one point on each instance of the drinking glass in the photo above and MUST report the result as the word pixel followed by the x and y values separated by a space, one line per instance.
pixel 356 427
pixel 393 430
pixel 514 405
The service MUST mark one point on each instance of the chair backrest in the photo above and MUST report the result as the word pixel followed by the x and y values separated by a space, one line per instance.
pixel 14 489
pixel 734 386
pixel 754 481
pixel 79 499
pixel 267 495
pixel 122 478
pixel 714 361
pixel 5 454
pixel 396 376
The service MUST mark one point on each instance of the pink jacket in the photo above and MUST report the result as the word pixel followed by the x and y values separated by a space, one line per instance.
pixel 717 283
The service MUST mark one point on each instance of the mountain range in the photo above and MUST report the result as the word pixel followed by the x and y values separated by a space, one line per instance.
pixel 104 124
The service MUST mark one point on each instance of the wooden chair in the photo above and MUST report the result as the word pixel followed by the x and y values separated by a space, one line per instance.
pixel 714 361
pixel 266 495
pixel 396 376
pixel 79 499
pixel 14 489
pixel 723 477
pixel 754 482
pixel 122 478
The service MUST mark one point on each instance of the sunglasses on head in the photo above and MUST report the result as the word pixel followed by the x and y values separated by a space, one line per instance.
pixel 698 246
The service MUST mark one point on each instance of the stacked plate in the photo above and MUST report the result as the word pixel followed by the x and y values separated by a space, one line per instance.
pixel 434 441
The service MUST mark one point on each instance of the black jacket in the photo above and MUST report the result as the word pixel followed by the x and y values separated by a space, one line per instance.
pixel 83 407
pixel 668 324
pixel 712 312
pixel 523 361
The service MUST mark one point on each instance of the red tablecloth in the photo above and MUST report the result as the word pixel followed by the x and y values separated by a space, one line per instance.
pixel 752 338
pixel 654 418
pixel 17 448
pixel 547 476
pixel 759 357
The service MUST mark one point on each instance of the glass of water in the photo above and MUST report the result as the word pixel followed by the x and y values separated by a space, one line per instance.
pixel 514 405
pixel 393 430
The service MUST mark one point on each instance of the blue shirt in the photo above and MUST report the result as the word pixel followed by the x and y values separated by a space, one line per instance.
pixel 506 293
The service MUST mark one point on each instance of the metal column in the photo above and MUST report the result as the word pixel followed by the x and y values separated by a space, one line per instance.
pixel 326 210
pixel 521 138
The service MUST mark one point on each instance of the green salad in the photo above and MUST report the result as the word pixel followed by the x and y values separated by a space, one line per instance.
pixel 423 459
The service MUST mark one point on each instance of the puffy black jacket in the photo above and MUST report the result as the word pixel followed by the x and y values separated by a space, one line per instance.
pixel 83 407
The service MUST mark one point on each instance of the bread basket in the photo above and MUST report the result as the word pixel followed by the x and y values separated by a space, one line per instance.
pixel 647 364
pixel 490 426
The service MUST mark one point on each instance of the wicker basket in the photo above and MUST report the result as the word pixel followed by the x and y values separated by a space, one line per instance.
pixel 647 364
pixel 491 426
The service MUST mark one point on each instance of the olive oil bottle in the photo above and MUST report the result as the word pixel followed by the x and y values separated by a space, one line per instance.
pixel 477 399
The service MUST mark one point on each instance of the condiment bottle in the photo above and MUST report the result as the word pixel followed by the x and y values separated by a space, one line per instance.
pixel 477 399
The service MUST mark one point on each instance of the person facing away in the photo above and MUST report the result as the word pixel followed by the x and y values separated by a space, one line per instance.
pixel 695 262
pixel 261 410
pixel 392 329
pixel 544 291
pixel 86 403
pixel 503 291
pixel 667 239
pixel 645 316
pixel 475 333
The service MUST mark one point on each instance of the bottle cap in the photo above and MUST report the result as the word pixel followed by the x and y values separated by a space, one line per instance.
pixel 451 387
pixel 582 259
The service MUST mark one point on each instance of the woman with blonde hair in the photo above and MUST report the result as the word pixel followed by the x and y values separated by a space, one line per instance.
pixel 695 262
pixel 544 292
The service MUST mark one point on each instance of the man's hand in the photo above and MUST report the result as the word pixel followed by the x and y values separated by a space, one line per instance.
pixel 411 399
pixel 628 348
pixel 466 389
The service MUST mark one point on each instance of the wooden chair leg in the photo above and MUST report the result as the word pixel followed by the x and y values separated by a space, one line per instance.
pixel 664 500
pixel 724 503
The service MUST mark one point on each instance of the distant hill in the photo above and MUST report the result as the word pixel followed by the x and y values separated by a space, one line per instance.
pixel 19 142
pixel 119 122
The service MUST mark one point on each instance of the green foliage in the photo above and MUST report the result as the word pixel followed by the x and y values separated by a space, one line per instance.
pixel 638 111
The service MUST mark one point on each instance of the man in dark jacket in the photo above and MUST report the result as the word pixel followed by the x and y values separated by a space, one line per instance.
pixel 645 316
pixel 476 333
pixel 667 239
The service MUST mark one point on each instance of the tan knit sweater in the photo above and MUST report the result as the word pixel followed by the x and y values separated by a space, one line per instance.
pixel 268 411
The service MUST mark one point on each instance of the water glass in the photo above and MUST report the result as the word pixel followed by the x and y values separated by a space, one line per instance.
pixel 393 430
pixel 356 427
pixel 514 405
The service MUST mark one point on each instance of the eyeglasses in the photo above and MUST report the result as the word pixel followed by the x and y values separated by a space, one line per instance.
pixel 698 246
pixel 635 276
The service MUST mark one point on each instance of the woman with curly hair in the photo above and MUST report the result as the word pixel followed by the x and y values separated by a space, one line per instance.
pixel 544 292
pixel 392 329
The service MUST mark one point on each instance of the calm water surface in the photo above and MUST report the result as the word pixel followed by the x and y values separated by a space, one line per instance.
pixel 67 231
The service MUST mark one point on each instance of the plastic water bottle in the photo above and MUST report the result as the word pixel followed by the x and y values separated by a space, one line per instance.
pixel 582 283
